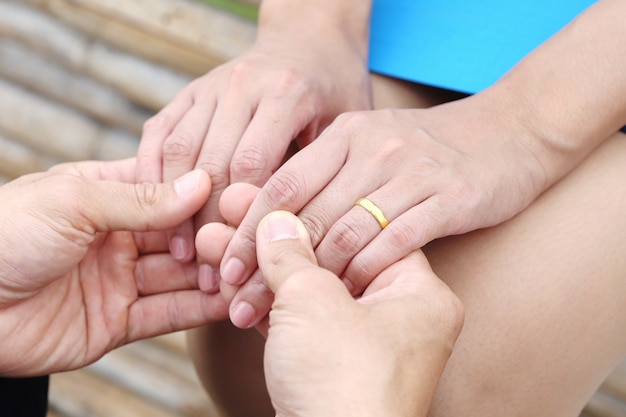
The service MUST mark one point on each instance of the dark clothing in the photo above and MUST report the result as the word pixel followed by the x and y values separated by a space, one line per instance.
pixel 24 397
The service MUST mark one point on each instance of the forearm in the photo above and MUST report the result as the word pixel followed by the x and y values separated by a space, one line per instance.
pixel 571 92
pixel 321 20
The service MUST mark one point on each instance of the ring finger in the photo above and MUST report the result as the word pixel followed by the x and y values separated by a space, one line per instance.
pixel 362 224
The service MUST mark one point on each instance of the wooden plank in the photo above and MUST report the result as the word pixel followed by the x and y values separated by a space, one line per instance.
pixel 17 159
pixel 63 133
pixel 616 381
pixel 81 393
pixel 46 126
pixel 143 82
pixel 42 33
pixel 175 342
pixel 115 144
pixel 603 404
pixel 134 40
pixel 157 375
pixel 186 22
pixel 28 68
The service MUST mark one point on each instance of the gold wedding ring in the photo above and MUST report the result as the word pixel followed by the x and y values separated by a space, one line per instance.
pixel 374 210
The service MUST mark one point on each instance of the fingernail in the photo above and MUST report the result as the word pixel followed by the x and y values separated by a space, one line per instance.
pixel 243 315
pixel 208 279
pixel 280 226
pixel 187 184
pixel 179 248
pixel 233 271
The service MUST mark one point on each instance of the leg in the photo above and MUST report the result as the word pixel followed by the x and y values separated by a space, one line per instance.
pixel 229 362
pixel 545 298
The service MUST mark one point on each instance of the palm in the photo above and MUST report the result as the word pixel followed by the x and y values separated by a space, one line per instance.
pixel 86 312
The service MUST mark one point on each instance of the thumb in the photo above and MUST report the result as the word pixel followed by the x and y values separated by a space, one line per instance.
pixel 283 249
pixel 147 206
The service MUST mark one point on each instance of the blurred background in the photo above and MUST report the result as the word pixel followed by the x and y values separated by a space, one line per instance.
pixel 78 78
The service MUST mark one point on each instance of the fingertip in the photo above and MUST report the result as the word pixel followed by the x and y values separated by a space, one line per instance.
pixel 243 315
pixel 193 181
pixel 211 242
pixel 283 247
pixel 236 200
pixel 180 248
pixel 280 225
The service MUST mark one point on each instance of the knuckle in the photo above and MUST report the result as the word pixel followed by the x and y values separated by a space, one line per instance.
pixel 250 163
pixel 147 194
pixel 218 172
pixel 403 237
pixel 156 123
pixel 260 286
pixel 352 121
pixel 316 223
pixel 284 189
pixel 173 312
pixel 361 271
pixel 179 145
pixel 241 71
pixel 345 238
pixel 290 81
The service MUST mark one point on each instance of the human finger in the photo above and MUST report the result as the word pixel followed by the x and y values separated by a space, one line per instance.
pixel 159 273
pixel 236 200
pixel 227 126
pixel 276 123
pixel 173 311
pixel 143 207
pixel 212 238
pixel 284 248
pixel 155 131
pixel 250 302
pixel 182 146
pixel 120 170
pixel 179 154
pixel 411 230
pixel 289 189
pixel 367 222
pixel 151 242
pixel 211 242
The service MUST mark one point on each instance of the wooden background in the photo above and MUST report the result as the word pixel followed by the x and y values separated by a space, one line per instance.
pixel 78 78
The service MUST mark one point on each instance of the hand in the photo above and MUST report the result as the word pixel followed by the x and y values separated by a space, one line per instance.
pixel 76 282
pixel 237 121
pixel 442 171
pixel 380 355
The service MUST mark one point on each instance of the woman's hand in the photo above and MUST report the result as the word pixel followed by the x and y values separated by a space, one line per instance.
pixel 84 267
pixel 238 121
pixel 446 170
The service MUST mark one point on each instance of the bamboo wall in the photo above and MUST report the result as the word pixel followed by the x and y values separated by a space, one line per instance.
pixel 78 78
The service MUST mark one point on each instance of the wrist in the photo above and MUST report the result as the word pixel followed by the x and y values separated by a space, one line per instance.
pixel 317 21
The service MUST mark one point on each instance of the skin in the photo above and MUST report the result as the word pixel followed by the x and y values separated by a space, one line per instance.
pixel 238 121
pixel 543 297
pixel 433 178
pixel 311 306
pixel 83 269
pixel 553 116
